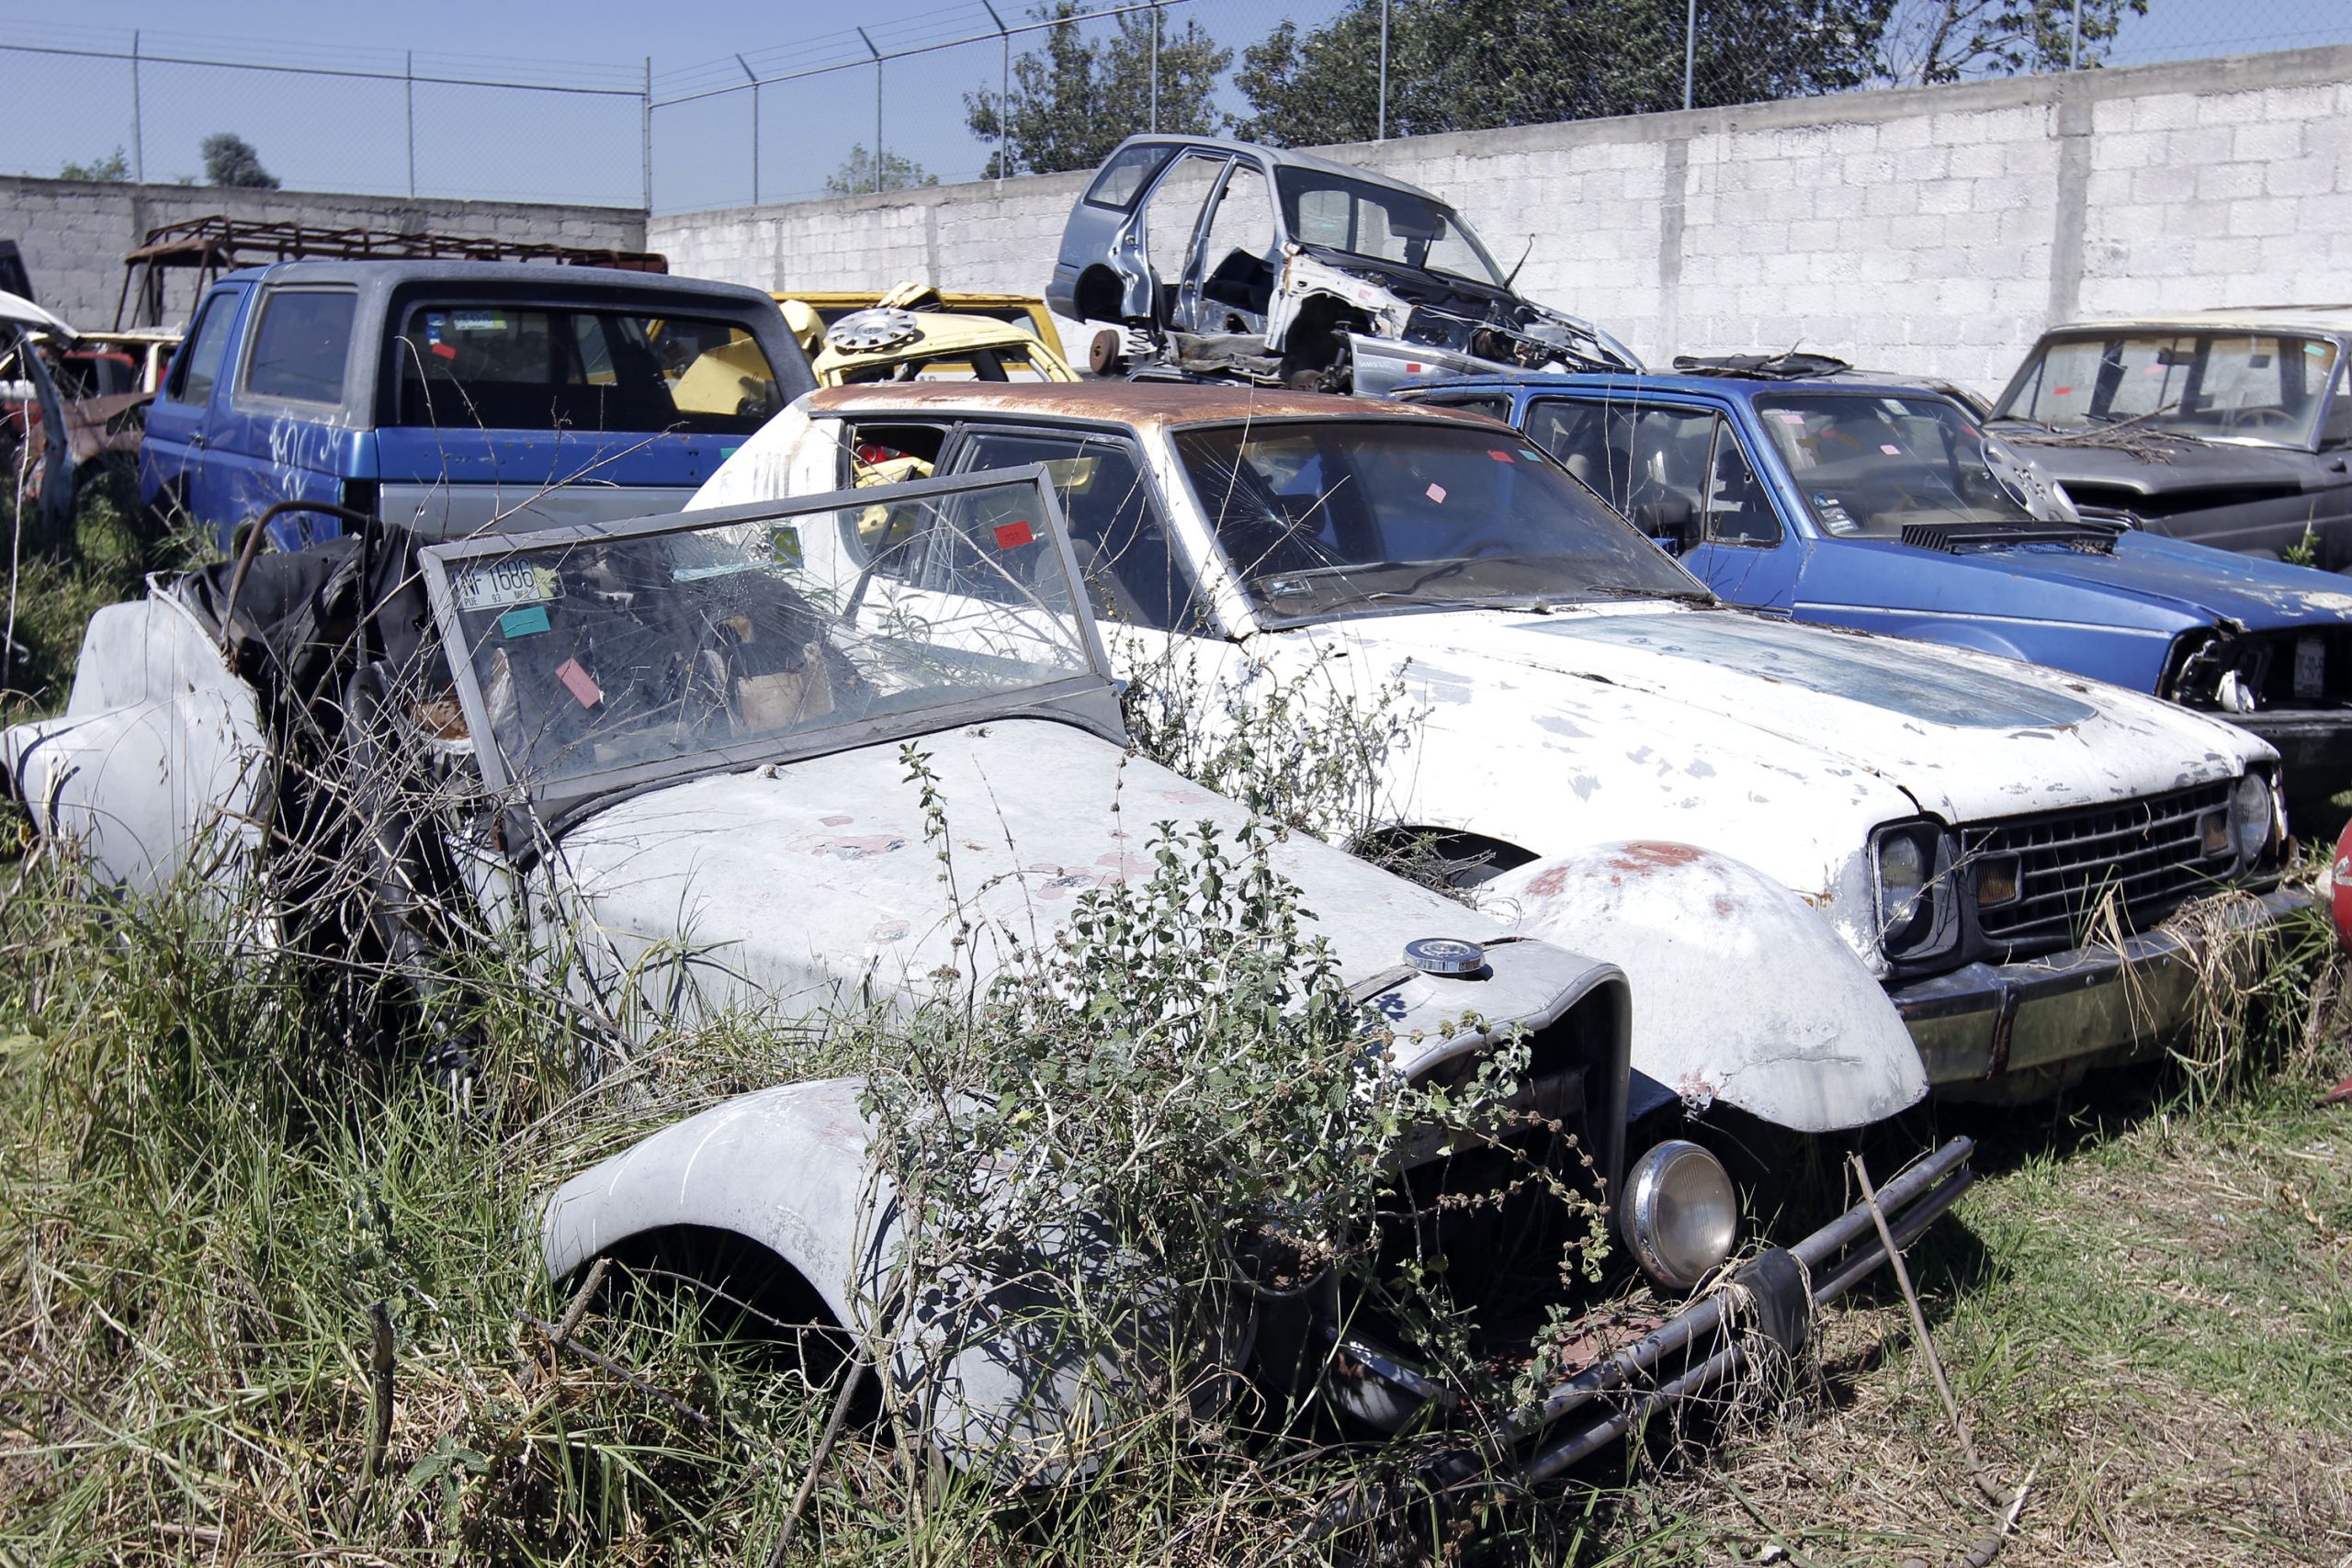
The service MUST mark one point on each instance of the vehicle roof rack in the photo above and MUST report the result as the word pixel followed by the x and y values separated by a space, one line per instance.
pixel 1790 366
pixel 218 244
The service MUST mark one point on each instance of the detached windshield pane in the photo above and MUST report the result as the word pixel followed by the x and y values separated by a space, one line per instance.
pixel 1867 466
pixel 1387 225
pixel 508 367
pixel 1359 518
pixel 2221 386
pixel 762 637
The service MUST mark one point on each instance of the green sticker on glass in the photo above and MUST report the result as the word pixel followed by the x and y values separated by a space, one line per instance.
pixel 527 622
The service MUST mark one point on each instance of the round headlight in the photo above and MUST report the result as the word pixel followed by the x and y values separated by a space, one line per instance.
pixel 2251 819
pixel 1680 1214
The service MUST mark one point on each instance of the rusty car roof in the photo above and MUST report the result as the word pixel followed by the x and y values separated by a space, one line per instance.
pixel 1144 404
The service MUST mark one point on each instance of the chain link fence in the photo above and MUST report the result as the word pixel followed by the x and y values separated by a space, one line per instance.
pixel 974 88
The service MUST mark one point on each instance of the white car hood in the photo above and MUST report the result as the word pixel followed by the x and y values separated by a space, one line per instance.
pixel 812 883
pixel 1674 692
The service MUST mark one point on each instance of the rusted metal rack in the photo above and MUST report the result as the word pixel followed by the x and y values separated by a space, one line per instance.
pixel 210 246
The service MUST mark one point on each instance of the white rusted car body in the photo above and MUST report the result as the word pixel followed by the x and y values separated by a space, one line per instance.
pixel 1560 730
pixel 737 828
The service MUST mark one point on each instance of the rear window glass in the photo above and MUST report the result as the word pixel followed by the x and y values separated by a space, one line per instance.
pixel 549 368
pixel 1126 174
pixel 301 345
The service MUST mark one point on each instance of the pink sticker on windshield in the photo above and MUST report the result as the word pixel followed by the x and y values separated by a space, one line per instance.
pixel 1790 416
pixel 1436 494
pixel 1892 451
pixel 1498 456
pixel 580 683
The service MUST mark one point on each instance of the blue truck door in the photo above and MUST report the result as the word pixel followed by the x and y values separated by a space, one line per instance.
pixel 1746 552
pixel 1678 471
pixel 173 471
pixel 278 431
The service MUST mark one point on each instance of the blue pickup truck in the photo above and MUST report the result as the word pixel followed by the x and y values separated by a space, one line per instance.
pixel 1872 502
pixel 451 396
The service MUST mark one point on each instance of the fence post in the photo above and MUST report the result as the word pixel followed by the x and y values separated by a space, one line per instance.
pixel 2075 39
pixel 1003 92
pixel 1155 70
pixel 1690 50
pixel 408 84
pixel 645 135
pixel 755 126
pixel 1380 132
pixel 878 109
pixel 138 135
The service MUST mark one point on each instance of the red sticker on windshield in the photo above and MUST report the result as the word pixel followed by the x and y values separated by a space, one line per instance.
pixel 1013 535
pixel 1498 456
pixel 580 683
pixel 445 350
pixel 2061 392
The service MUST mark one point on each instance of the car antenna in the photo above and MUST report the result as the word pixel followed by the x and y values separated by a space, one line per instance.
pixel 1522 261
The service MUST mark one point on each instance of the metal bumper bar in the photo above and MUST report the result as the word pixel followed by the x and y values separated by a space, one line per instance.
pixel 1605 1400
pixel 2088 1007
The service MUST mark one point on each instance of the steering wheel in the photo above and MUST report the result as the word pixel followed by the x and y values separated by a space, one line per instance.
pixel 2262 419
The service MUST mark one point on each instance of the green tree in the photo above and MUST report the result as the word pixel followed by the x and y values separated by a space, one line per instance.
pixel 1945 40
pixel 857 173
pixel 230 159
pixel 1076 98
pixel 112 169
pixel 1470 64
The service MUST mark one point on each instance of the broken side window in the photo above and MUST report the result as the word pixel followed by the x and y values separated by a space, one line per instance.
pixel 1132 577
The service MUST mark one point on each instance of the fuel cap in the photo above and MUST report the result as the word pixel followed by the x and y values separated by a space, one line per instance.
pixel 1445 955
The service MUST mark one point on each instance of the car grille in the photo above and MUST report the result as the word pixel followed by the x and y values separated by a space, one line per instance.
pixel 2148 852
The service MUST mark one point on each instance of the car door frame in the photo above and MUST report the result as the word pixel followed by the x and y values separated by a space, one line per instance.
pixel 1208 597
pixel 173 451
pixel 271 449
pixel 1734 413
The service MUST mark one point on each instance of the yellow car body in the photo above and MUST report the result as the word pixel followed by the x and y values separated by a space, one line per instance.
pixel 916 332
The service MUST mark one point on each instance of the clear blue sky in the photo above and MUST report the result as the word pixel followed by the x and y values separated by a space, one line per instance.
pixel 321 133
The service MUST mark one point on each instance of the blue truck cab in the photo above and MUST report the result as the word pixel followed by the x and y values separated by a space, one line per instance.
pixel 1875 502
pixel 449 397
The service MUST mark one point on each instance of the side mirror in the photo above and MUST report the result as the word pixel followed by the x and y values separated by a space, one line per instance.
pixel 1672 523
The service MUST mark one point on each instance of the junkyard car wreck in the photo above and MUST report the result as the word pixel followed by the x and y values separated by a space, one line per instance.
pixel 2003 847
pixel 1237 262
pixel 670 757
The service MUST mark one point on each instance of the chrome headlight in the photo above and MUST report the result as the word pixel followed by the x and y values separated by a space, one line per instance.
pixel 1908 863
pixel 1682 1214
pixel 2254 814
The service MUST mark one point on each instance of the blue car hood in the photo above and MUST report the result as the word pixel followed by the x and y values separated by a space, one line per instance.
pixel 2149 581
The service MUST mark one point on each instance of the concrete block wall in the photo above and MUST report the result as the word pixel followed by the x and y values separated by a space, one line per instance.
pixel 73 233
pixel 1934 231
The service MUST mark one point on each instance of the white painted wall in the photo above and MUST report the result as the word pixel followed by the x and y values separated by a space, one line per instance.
pixel 1933 230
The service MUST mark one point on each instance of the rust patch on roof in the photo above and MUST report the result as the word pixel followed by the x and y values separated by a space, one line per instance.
pixel 1143 404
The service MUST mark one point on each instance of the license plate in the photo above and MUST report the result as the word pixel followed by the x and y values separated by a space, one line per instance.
pixel 504 584
pixel 2310 667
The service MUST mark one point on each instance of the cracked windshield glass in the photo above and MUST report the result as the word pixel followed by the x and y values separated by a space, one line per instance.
pixel 1868 466
pixel 1337 519
pixel 764 637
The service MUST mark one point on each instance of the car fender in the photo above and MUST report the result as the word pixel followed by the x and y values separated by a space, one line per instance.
pixel 788 1169
pixel 1958 634
pixel 1810 1042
